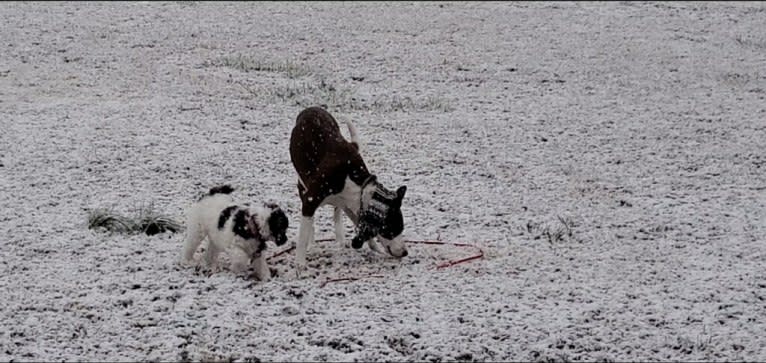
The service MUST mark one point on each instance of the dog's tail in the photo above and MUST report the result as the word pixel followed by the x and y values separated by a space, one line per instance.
pixel 354 134
pixel 223 189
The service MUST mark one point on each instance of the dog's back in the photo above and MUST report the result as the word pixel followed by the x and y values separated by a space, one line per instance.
pixel 317 145
pixel 315 134
pixel 222 189
pixel 207 210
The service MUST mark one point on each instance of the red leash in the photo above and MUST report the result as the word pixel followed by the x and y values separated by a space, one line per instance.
pixel 442 265
pixel 349 279
pixel 453 262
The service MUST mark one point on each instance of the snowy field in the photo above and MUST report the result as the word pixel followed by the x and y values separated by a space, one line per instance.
pixel 610 159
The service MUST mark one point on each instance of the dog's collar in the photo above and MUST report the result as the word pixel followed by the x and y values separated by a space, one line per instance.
pixel 377 207
pixel 372 217
pixel 254 229
pixel 370 179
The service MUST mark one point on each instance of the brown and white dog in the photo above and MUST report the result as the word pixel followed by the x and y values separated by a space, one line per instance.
pixel 331 171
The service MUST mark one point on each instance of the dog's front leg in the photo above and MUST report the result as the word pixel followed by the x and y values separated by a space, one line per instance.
pixel 339 231
pixel 305 237
pixel 239 261
pixel 261 268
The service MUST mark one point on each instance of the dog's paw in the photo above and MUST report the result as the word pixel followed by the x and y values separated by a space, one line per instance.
pixel 200 270
pixel 301 272
pixel 214 268
pixel 300 262
pixel 357 242
pixel 185 262
pixel 239 267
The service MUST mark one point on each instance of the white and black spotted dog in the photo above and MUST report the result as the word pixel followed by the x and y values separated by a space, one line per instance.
pixel 230 226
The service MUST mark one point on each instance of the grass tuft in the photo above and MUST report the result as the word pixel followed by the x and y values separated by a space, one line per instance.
pixel 321 92
pixel 107 220
pixel 560 231
pixel 252 64
pixel 304 88
pixel 147 221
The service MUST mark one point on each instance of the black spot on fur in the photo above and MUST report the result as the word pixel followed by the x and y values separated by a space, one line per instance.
pixel 222 189
pixel 393 225
pixel 225 215
pixel 261 247
pixel 278 224
pixel 240 225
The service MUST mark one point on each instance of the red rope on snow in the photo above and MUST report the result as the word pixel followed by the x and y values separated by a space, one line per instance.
pixel 348 279
pixel 453 262
pixel 424 242
pixel 286 250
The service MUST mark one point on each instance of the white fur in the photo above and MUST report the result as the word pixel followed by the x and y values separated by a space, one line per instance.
pixel 348 198
pixel 202 221
pixel 347 201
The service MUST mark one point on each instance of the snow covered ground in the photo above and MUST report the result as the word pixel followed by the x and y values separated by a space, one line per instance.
pixel 610 158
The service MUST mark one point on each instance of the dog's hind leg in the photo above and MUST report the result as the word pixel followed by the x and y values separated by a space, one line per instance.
pixel 194 236
pixel 339 230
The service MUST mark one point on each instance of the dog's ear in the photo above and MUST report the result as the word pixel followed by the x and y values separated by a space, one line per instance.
pixel 400 194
